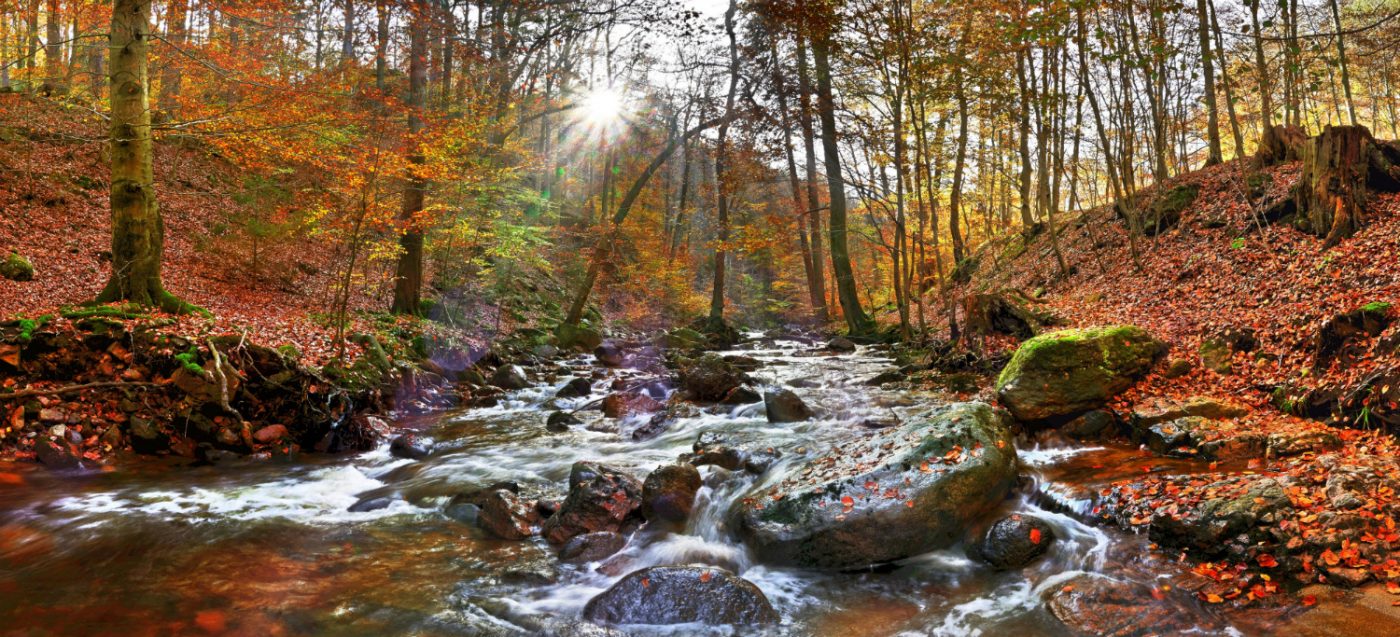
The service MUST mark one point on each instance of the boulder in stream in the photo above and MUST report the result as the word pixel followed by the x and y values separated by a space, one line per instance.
pixel 841 344
pixel 559 421
pixel 504 515
pixel 609 354
pixel 668 493
pixel 710 378
pixel 1097 605
pixel 623 404
pixel 1072 371
pixel 1013 541
pixel 575 388
pixel 887 495
pixel 663 595
pixel 600 499
pixel 510 377
pixel 782 405
pixel 592 547
pixel 410 446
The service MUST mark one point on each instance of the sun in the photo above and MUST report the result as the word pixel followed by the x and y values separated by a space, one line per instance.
pixel 603 106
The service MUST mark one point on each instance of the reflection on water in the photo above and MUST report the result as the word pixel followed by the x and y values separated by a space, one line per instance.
pixel 157 548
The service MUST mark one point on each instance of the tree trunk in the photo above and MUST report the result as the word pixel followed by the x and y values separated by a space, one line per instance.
pixel 170 76
pixel 138 233
pixel 53 52
pixel 856 320
pixel 813 198
pixel 721 183
pixel 1213 155
pixel 799 207
pixel 347 34
pixel 1279 144
pixel 1266 104
pixel 408 279
pixel 1342 60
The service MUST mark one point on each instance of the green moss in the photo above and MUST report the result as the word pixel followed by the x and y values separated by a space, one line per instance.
pixel 16 268
pixel 190 361
pixel 289 352
pixel 1376 307
pixel 126 311
pixel 1119 345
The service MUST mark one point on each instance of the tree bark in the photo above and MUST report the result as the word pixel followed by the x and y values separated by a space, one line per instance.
pixel 1339 167
pixel 408 280
pixel 721 183
pixel 138 232
pixel 804 90
pixel 1213 154
pixel 856 320
pixel 170 75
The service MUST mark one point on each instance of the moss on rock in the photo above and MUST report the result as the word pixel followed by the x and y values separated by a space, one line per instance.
pixel 1071 371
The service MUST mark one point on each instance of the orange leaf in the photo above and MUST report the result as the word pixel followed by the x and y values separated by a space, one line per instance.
pixel 1035 536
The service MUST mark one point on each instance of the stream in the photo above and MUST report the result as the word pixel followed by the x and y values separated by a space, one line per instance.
pixel 158 547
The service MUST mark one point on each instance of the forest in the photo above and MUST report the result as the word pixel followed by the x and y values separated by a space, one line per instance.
pixel 603 318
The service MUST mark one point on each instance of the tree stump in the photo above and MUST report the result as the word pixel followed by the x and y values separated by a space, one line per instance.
pixel 1279 144
pixel 1338 167
pixel 1006 312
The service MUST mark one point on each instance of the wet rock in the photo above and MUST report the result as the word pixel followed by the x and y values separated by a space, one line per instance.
pixel 885 378
pixel 1013 541
pixel 575 388
pixel 668 493
pixel 509 377
pixel 1209 524
pixel 663 595
pixel 146 436
pixel 57 453
pixel 784 406
pixel 609 355
pixel 270 434
pixel 560 421
pixel 1103 607
pixel 410 446
pixel 1091 425
pixel 505 516
pixel 711 448
pixel 744 363
pixel 1194 436
pixel 621 405
pixel 741 395
pixel 600 499
pixel 1071 371
pixel 682 338
pixel 1164 409
pixel 592 547
pixel 709 378
pixel 1177 367
pixel 896 492
pixel 841 344
pixel 545 351
pixel 371 504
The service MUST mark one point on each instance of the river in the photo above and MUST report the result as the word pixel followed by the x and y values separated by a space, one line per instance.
pixel 158 547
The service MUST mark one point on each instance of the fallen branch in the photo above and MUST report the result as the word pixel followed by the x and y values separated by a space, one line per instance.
pixel 69 389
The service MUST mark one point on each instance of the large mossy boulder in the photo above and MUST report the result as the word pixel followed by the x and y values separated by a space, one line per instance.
pixel 1072 371
pixel 665 595
pixel 579 337
pixel 893 493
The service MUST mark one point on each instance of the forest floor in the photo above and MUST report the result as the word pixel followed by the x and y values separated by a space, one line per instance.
pixel 1293 349
pixel 54 211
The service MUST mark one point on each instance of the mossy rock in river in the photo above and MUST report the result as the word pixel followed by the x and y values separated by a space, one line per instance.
pixel 894 493
pixel 1072 371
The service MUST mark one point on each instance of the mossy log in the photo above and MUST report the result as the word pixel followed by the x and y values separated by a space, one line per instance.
pixel 1340 168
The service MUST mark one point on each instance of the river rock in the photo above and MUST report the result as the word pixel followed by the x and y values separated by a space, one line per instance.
pixel 371 504
pixel 668 493
pixel 710 378
pixel 510 377
pixel 575 388
pixel 1208 525
pixel 663 595
pixel 1093 605
pixel 681 338
pixel 147 437
pixel 505 516
pixel 1071 371
pixel 621 405
pixel 57 453
pixel 741 395
pixel 890 494
pixel 410 446
pixel 609 355
pixel 744 363
pixel 1094 424
pixel 600 499
pixel 270 434
pixel 784 406
pixel 841 344
pixel 592 547
pixel 560 421
pixel 1013 541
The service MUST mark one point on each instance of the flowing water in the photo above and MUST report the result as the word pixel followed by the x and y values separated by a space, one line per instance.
pixel 157 547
